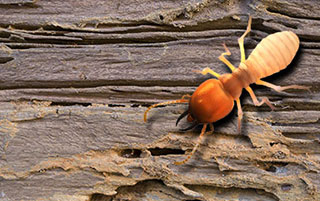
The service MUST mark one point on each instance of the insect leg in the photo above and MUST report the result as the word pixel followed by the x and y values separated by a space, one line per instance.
pixel 206 71
pixel 240 114
pixel 241 40
pixel 182 100
pixel 211 127
pixel 281 88
pixel 224 60
pixel 195 147
pixel 255 100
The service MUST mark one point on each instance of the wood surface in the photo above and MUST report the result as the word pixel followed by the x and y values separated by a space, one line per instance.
pixel 77 76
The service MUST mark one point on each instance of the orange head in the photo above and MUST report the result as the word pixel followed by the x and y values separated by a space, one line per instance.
pixel 209 103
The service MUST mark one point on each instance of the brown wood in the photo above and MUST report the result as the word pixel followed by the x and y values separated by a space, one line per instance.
pixel 76 77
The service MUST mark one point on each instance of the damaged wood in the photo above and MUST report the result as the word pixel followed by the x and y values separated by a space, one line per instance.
pixel 76 78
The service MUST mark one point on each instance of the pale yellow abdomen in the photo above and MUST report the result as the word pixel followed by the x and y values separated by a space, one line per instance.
pixel 272 54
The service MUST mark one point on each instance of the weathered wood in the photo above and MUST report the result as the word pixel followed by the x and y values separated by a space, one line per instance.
pixel 76 77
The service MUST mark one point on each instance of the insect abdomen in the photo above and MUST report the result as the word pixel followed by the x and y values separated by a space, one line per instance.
pixel 272 54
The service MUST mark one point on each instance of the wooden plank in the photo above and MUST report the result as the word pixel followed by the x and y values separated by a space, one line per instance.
pixel 70 141
pixel 76 78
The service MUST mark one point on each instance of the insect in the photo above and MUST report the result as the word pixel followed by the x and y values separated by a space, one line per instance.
pixel 214 98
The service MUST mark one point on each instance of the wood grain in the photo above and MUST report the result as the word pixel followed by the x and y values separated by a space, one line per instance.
pixel 76 78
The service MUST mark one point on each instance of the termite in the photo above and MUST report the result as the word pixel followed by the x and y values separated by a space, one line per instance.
pixel 214 98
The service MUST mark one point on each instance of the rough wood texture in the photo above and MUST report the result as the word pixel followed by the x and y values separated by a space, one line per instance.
pixel 76 77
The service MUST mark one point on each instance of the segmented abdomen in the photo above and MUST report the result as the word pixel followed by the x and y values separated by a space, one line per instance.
pixel 272 54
